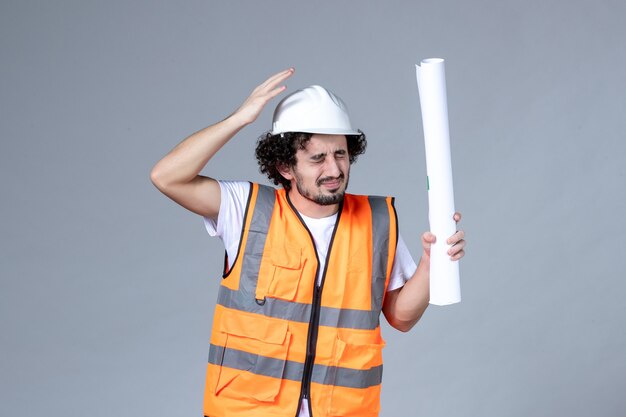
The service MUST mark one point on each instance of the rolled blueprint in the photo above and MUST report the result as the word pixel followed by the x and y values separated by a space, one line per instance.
pixel 445 285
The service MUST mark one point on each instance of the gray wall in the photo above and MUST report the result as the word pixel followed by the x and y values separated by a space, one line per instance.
pixel 107 287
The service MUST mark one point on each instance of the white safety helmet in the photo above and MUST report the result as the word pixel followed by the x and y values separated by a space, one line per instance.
pixel 312 110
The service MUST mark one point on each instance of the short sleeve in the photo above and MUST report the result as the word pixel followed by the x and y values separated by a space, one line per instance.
pixel 229 222
pixel 403 266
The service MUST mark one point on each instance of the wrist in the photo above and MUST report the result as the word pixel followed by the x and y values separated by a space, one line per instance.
pixel 423 267
pixel 237 121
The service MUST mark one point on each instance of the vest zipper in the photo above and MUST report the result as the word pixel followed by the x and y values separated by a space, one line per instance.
pixel 305 392
pixel 311 346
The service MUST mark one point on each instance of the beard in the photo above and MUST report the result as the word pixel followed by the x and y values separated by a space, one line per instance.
pixel 319 197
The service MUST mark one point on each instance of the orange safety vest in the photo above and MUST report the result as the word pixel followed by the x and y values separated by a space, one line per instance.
pixel 278 337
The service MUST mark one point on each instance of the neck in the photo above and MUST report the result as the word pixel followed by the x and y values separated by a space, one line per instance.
pixel 310 208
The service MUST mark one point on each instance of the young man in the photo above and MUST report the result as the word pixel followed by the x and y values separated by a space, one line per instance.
pixel 309 268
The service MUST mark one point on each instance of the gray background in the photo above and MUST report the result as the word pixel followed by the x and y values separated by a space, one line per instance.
pixel 107 287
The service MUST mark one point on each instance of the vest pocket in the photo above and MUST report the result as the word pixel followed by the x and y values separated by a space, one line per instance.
pixel 254 357
pixel 284 274
pixel 356 380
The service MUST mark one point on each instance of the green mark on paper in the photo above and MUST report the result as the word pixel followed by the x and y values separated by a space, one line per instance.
pixel 427 183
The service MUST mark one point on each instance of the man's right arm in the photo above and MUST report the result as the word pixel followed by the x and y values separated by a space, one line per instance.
pixel 177 174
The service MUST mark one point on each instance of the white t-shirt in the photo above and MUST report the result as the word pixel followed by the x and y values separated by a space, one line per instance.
pixel 230 221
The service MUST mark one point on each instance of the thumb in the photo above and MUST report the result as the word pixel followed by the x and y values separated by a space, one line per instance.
pixel 427 240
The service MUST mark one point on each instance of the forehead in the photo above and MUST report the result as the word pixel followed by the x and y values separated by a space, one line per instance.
pixel 325 143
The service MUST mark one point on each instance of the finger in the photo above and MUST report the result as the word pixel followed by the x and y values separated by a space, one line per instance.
pixel 456 237
pixel 275 92
pixel 268 92
pixel 273 77
pixel 458 256
pixel 276 79
pixel 457 217
pixel 460 246
pixel 429 237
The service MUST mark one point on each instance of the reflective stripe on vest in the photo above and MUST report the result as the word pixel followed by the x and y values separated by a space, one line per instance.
pixel 275 368
pixel 264 329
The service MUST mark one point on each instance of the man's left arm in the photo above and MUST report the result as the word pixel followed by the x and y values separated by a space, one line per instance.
pixel 404 306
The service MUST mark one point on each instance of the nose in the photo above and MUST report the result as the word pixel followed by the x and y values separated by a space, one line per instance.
pixel 332 168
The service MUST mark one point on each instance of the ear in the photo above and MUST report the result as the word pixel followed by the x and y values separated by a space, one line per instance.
pixel 285 171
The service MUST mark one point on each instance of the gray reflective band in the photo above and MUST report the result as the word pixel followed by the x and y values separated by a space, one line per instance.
pixel 276 368
pixel 257 234
pixel 346 377
pixel 349 318
pixel 272 307
pixel 299 312
pixel 380 252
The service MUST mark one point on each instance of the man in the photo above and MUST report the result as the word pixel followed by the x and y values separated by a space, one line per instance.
pixel 309 268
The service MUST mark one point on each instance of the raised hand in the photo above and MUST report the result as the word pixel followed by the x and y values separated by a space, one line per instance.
pixel 261 95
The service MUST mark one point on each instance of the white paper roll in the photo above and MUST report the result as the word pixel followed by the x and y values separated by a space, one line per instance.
pixel 445 285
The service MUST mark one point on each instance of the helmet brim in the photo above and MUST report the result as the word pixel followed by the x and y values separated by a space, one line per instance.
pixel 320 131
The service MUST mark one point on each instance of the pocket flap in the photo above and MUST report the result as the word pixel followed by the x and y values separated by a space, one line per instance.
pixel 289 256
pixel 259 328
pixel 361 356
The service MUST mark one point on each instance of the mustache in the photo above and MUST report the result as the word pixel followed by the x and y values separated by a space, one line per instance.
pixel 329 179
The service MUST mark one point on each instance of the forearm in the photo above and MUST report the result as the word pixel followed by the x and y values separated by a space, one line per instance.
pixel 183 163
pixel 412 299
pixel 404 307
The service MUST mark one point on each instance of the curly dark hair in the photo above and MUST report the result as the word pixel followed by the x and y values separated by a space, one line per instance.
pixel 275 150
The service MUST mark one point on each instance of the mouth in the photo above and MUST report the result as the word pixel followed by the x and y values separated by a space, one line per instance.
pixel 331 183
